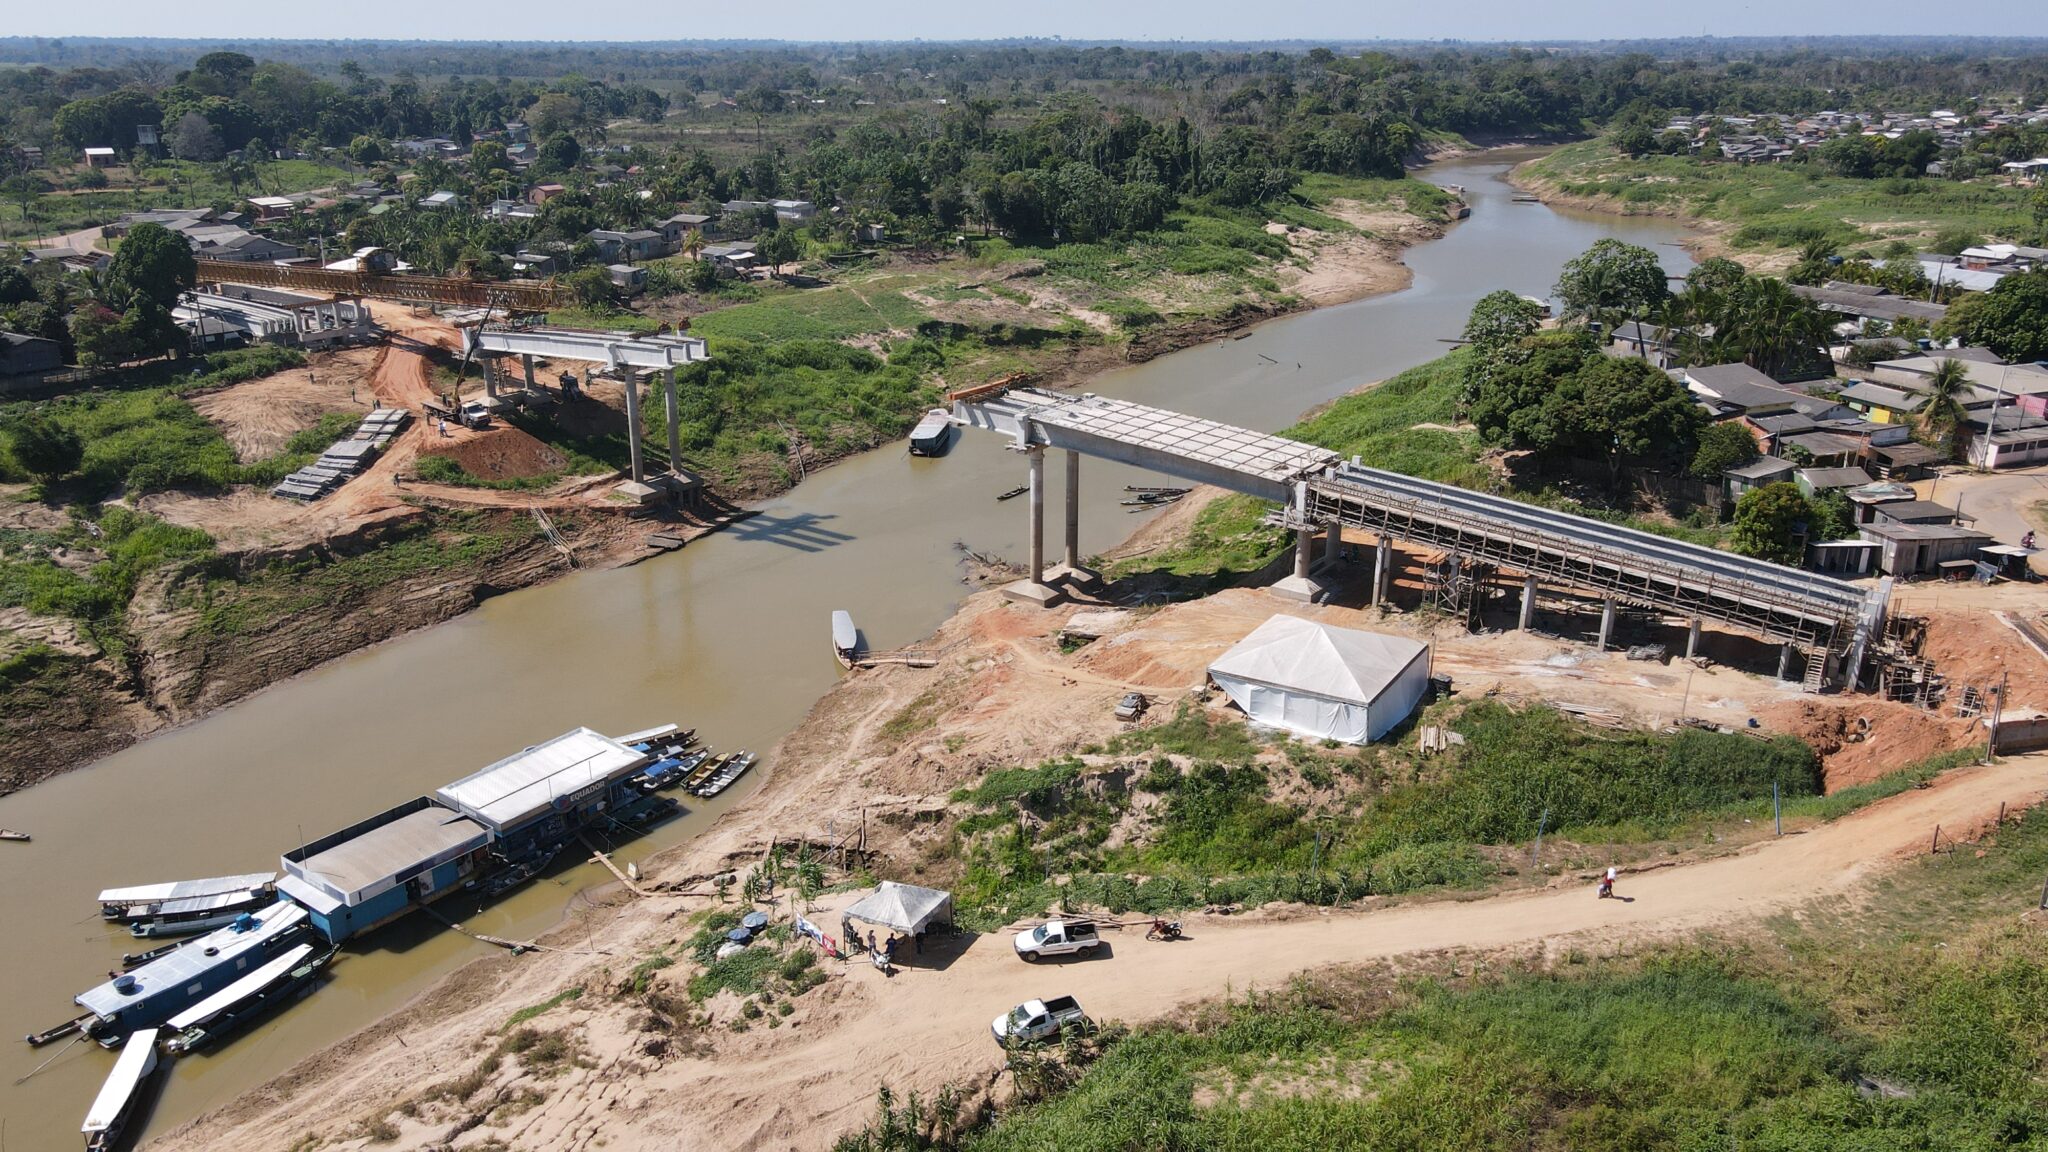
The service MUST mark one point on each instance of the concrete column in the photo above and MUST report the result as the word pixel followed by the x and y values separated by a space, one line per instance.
pixel 1073 554
pixel 1692 639
pixel 1037 457
pixel 1382 570
pixel 633 423
pixel 526 359
pixel 1304 542
pixel 675 429
pixel 490 366
pixel 1333 541
pixel 1785 661
pixel 1606 622
pixel 1528 603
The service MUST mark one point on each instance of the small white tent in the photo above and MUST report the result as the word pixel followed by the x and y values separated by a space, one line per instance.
pixel 1324 682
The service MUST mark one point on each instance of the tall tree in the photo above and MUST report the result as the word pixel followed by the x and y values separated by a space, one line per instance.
pixel 1942 417
pixel 1771 523
pixel 1609 281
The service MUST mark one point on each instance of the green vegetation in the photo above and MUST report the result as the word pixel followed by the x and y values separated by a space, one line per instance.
pixel 1909 1020
pixel 436 541
pixel 130 545
pixel 1779 207
pixel 1377 825
pixel 548 1005
pixel 146 438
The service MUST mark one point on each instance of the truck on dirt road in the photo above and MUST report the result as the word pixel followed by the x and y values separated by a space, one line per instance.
pixel 1058 938
pixel 1038 1020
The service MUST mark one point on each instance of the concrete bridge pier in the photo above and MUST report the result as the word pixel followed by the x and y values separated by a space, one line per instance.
pixel 526 359
pixel 675 429
pixel 1606 623
pixel 1301 585
pixel 1528 619
pixel 1070 572
pixel 1692 639
pixel 1033 589
pixel 1382 570
pixel 632 380
pixel 1785 661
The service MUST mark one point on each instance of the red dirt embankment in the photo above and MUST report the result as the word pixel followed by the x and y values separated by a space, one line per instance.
pixel 498 453
pixel 1861 739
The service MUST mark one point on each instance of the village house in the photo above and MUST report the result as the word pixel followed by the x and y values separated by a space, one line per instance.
pixel 512 210
pixel 273 207
pixel 1759 473
pixel 736 259
pixel 26 358
pixel 1728 391
pixel 614 246
pixel 542 193
pixel 442 198
pixel 628 279
pixel 100 158
pixel 674 229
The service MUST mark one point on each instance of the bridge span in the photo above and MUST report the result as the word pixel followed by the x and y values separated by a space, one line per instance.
pixel 1832 623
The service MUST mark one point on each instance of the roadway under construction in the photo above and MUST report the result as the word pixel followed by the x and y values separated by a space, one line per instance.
pixel 1831 623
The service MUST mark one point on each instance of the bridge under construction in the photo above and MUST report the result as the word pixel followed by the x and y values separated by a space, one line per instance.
pixel 1473 536
pixel 510 296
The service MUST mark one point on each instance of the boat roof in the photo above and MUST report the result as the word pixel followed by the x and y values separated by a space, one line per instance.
pixel 185 889
pixel 137 1058
pixel 531 781
pixel 366 864
pixel 207 903
pixel 182 965
pixel 938 417
pixel 654 733
pixel 845 636
pixel 241 989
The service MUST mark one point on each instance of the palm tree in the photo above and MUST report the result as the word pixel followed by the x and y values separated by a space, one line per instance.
pixel 1943 415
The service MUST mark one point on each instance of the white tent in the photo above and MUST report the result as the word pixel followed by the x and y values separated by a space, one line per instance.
pixel 905 907
pixel 1324 682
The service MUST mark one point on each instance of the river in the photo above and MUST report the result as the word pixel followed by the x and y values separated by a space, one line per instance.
pixel 730 635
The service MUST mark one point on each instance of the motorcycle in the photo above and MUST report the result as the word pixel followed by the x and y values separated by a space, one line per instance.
pixel 1163 930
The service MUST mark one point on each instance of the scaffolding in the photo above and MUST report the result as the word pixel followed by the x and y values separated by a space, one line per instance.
pixel 527 296
pixel 1818 616
pixel 1457 586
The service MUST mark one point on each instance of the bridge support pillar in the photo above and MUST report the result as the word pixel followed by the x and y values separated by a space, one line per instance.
pixel 1033 589
pixel 1528 619
pixel 1301 586
pixel 1606 622
pixel 1070 572
pixel 632 379
pixel 1785 661
pixel 526 359
pixel 1692 639
pixel 1382 570
pixel 675 428
pixel 1333 543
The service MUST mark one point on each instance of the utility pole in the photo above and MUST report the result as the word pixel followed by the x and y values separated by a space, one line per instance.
pixel 1997 710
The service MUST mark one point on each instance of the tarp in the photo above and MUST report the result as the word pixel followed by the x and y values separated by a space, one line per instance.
pixel 1324 682
pixel 904 907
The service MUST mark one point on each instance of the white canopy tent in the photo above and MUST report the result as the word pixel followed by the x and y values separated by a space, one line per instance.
pixel 1324 682
pixel 906 908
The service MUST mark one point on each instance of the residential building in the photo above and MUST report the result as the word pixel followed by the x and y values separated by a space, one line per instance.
pixel 100 158
pixel 614 246
pixel 1758 473
pixel 1914 512
pixel 1869 302
pixel 793 211
pixel 627 278
pixel 535 265
pixel 273 207
pixel 542 193
pixel 680 225
pixel 732 259
pixel 22 355
pixel 1730 390
pixel 1815 481
pixel 1923 549
pixel 442 198
pixel 512 210
pixel 1882 403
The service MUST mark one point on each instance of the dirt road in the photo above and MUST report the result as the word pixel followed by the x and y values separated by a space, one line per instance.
pixel 805 1083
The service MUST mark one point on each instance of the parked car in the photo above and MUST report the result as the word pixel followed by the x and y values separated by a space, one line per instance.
pixel 1058 938
pixel 1035 1021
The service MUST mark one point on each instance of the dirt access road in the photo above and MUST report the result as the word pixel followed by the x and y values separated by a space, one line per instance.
pixel 802 1085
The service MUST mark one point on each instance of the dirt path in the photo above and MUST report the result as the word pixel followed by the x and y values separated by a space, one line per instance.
pixel 802 1085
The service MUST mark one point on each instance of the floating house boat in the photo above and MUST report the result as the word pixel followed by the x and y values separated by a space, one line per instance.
pixel 152 994
pixel 126 1087
pixel 183 907
pixel 501 818
pixel 933 434
pixel 268 988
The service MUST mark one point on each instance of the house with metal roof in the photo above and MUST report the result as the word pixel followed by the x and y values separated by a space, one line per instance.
pixel 547 791
pixel 381 868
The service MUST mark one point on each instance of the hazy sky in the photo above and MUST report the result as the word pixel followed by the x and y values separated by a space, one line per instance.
pixel 978 19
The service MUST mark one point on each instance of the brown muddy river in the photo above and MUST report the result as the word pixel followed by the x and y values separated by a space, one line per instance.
pixel 730 636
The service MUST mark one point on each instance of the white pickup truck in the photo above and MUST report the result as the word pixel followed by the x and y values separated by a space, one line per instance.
pixel 1058 938
pixel 1036 1020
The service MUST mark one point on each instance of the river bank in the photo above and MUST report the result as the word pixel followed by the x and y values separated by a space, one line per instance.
pixel 74 705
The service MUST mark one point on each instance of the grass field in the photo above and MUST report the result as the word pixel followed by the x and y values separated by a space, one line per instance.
pixel 171 184
pixel 1379 821
pixel 1912 1020
pixel 1769 208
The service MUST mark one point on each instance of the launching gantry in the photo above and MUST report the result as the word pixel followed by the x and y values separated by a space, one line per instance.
pixel 1830 622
